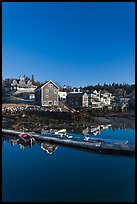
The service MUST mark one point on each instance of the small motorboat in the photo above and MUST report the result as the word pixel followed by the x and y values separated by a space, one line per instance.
pixel 26 139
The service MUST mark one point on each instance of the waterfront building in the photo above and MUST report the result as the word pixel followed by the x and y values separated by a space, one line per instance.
pixel 94 98
pixel 77 100
pixel 99 99
pixel 47 94
pixel 105 97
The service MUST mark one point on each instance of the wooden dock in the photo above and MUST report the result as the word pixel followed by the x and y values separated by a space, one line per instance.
pixel 120 149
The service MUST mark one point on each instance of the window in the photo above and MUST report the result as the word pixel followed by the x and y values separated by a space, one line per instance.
pixel 50 85
pixel 55 102
pixel 50 103
pixel 47 96
pixel 47 91
pixel 55 91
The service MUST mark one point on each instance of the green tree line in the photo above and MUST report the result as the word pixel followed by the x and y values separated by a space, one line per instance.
pixel 111 87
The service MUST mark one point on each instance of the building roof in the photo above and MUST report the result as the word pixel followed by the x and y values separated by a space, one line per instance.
pixel 104 91
pixel 47 82
pixel 75 94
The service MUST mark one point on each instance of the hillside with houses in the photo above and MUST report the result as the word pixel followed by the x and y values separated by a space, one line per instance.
pixel 36 105
pixel 49 94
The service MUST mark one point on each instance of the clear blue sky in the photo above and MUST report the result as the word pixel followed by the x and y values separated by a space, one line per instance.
pixel 70 43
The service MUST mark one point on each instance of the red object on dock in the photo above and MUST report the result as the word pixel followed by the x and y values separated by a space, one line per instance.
pixel 24 135
pixel 26 139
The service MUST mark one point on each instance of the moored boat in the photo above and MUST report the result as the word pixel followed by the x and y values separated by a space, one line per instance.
pixel 26 139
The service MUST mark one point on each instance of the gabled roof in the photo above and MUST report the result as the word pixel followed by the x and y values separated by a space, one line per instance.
pixel 47 82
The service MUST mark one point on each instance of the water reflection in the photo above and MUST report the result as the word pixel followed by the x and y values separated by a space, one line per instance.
pixel 17 141
pixel 89 134
pixel 63 133
pixel 48 148
pixel 92 130
pixel 13 140
pixel 30 175
pixel 95 130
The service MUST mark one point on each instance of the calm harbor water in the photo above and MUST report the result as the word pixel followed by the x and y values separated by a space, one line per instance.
pixel 67 174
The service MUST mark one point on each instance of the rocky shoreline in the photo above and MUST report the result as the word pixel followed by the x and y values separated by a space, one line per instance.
pixel 37 119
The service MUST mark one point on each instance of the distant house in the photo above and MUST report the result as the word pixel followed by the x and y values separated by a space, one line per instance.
pixel 77 100
pixel 120 92
pixel 62 96
pixel 106 97
pixel 23 84
pixel 99 99
pixel 47 94
pixel 93 96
